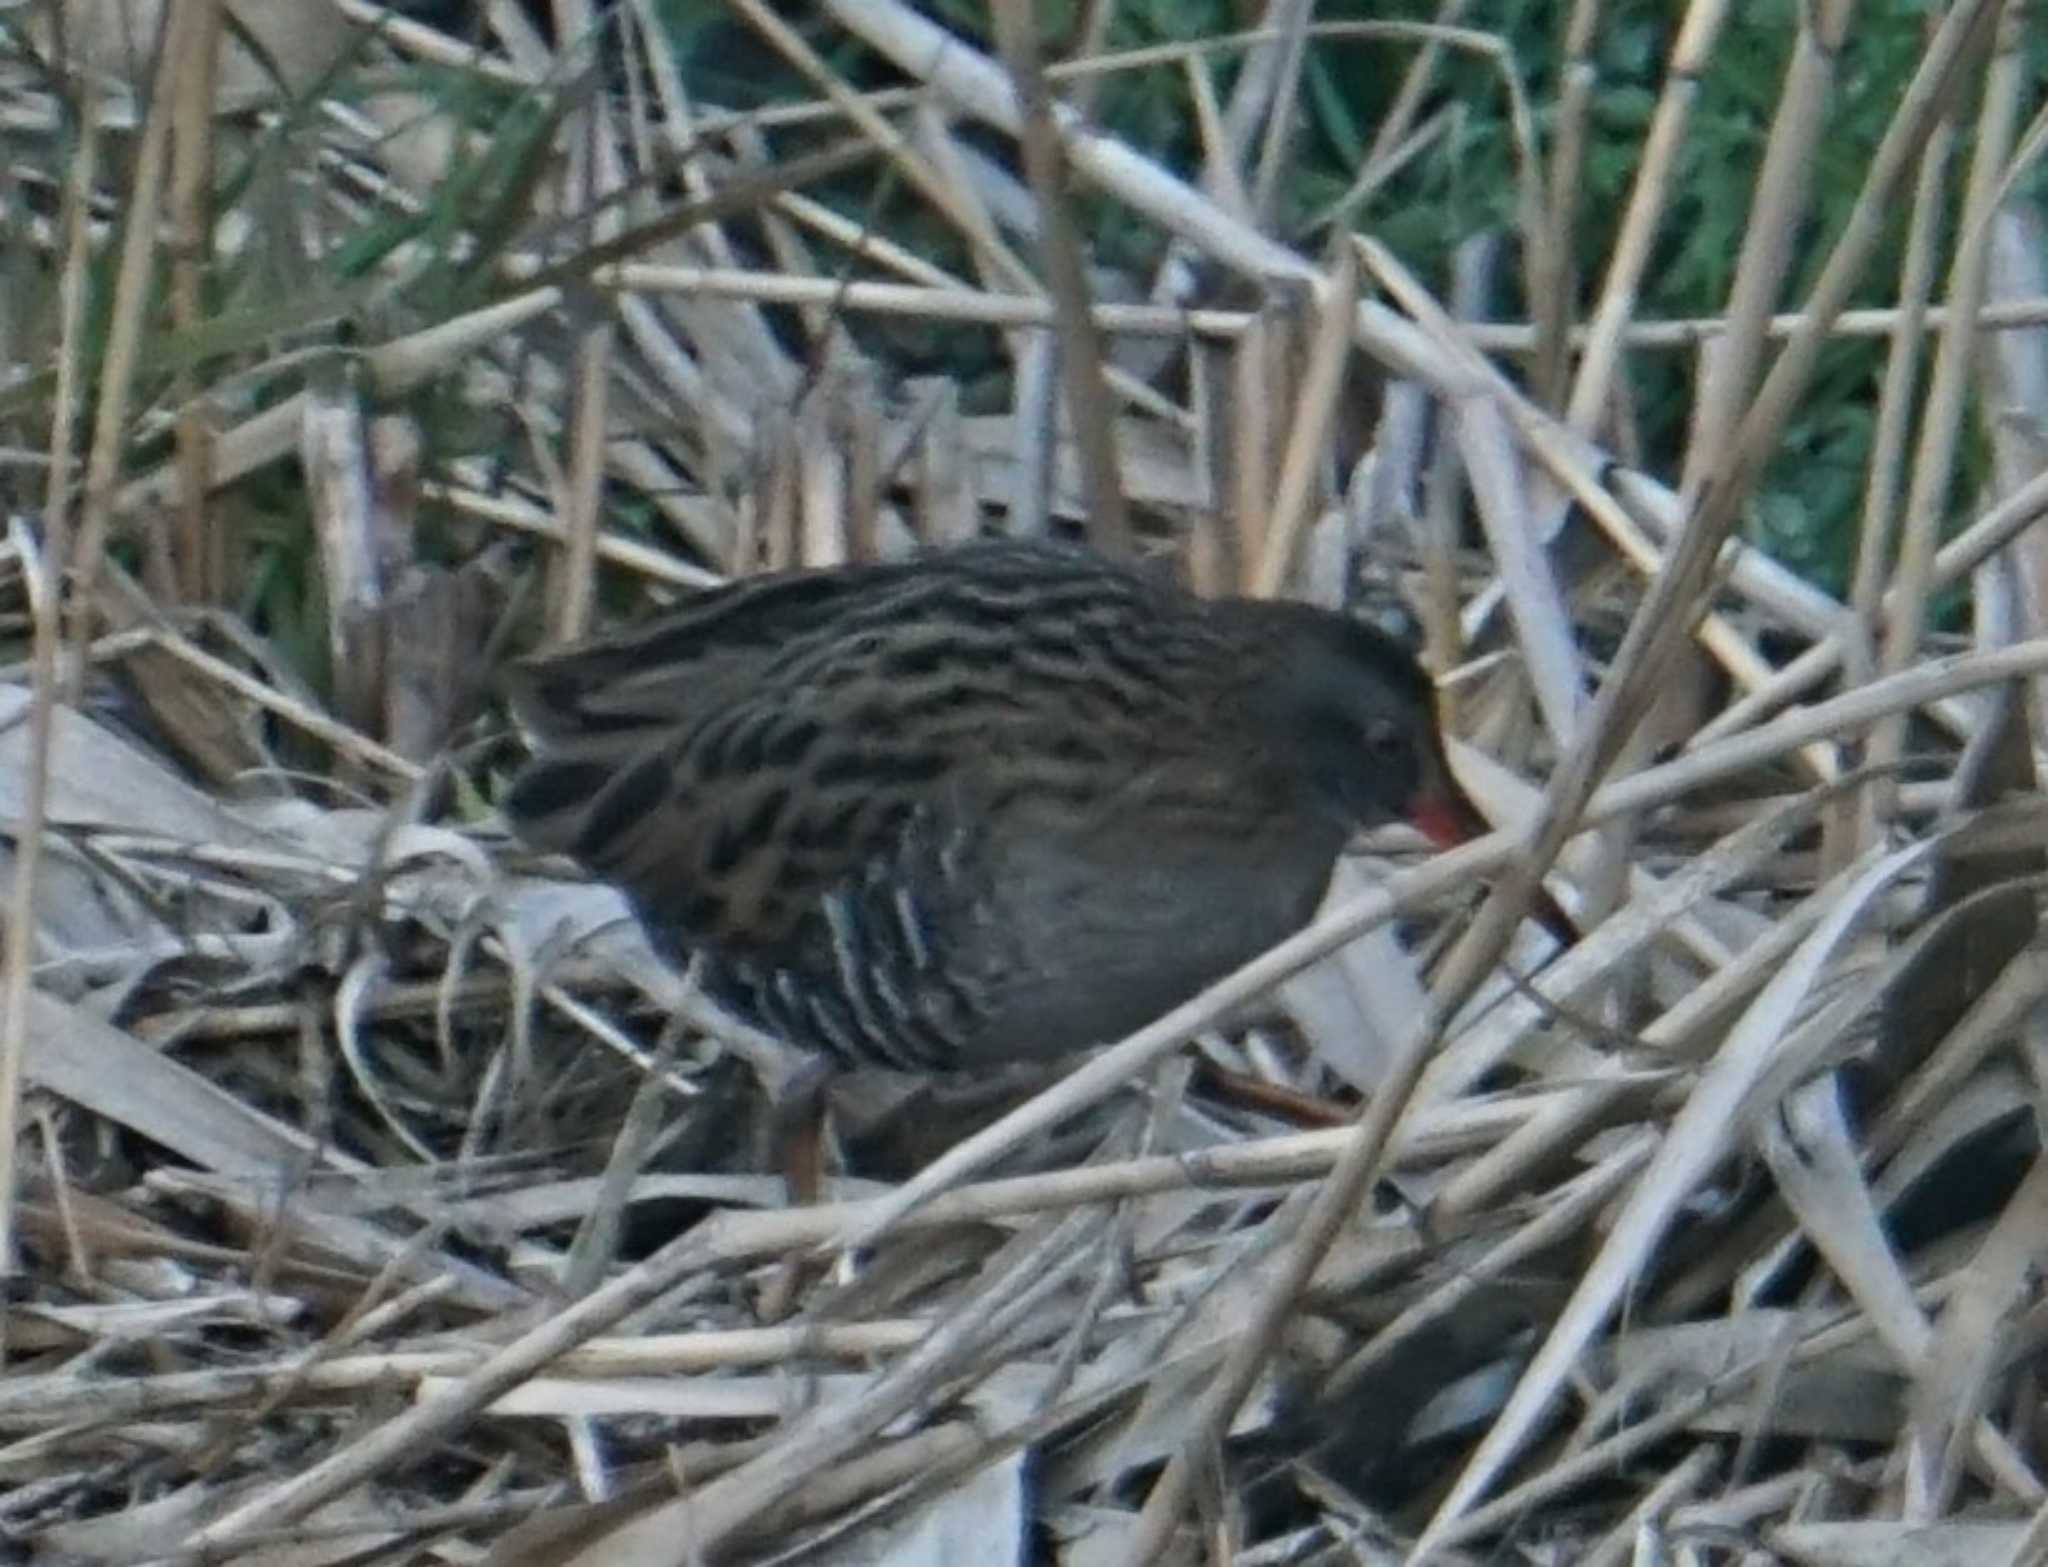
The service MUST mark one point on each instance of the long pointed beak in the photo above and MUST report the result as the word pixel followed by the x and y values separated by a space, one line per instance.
pixel 1441 809
pixel 1446 816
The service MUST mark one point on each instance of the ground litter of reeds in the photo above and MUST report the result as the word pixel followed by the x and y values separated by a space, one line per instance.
pixel 375 1195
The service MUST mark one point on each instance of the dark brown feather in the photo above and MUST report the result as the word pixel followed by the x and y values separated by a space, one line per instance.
pixel 1010 799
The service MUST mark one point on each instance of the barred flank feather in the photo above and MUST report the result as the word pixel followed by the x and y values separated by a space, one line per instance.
pixel 1010 799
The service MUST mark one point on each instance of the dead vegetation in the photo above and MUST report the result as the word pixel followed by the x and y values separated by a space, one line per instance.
pixel 376 1197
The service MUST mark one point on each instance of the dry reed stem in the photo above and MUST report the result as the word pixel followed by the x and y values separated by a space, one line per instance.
pixel 1286 517
pixel 1989 533
pixel 1552 269
pixel 41 570
pixel 347 741
pixel 1941 417
pixel 1564 460
pixel 1279 110
pixel 1782 199
pixel 15 983
pixel 1670 604
pixel 940 297
pixel 1888 443
pixel 198 568
pixel 594 180
pixel 1080 348
pixel 1263 380
pixel 979 234
pixel 1651 192
pixel 1407 100
pixel 132 295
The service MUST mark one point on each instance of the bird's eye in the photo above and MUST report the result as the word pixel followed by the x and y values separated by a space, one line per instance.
pixel 1383 736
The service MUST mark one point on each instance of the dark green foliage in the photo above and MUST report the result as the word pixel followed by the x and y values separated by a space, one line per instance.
pixel 1465 181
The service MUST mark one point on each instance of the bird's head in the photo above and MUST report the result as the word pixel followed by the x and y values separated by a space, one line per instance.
pixel 1360 712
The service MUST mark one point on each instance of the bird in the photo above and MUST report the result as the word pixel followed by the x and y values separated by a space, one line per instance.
pixel 993 803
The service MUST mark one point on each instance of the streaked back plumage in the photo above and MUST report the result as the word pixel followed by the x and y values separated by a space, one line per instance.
pixel 1011 799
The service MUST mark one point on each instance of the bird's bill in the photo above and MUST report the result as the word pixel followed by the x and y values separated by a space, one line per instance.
pixel 1447 819
pixel 1444 814
pixel 1442 811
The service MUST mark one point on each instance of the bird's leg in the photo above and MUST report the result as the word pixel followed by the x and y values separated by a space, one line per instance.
pixel 1275 1099
pixel 796 1129
pixel 795 1133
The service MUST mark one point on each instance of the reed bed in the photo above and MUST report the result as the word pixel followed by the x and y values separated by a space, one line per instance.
pixel 373 1194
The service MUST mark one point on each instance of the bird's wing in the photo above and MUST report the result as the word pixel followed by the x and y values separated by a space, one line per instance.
pixel 653 676
pixel 732 763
